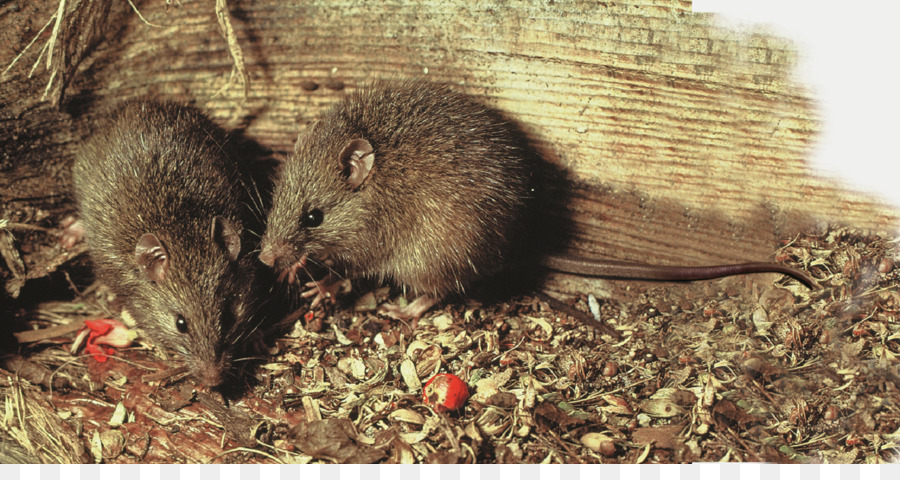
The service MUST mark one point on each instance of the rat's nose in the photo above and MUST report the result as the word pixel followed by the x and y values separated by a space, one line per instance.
pixel 267 255
pixel 211 374
pixel 274 252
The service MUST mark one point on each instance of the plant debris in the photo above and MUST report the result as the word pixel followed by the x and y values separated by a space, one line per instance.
pixel 754 368
pixel 333 439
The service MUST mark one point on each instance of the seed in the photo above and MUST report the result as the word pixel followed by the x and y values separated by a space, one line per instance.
pixel 610 369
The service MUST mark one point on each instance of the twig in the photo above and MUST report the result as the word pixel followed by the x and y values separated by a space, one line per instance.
pixel 586 319
pixel 60 13
pixel 138 12
pixel 23 226
pixel 29 336
pixel 233 47
pixel 30 44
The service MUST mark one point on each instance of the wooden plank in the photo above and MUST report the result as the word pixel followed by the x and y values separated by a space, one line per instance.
pixel 685 141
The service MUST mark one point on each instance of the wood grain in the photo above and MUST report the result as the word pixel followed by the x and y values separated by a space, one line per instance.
pixel 684 142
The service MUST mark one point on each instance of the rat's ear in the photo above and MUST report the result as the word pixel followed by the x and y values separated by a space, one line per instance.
pixel 225 236
pixel 151 256
pixel 356 160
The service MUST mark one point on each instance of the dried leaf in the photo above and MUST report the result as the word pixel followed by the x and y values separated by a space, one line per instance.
pixel 333 439
pixel 643 456
pixel 119 416
pixel 410 375
pixel 442 322
pixel 617 405
pixel 599 443
pixel 339 335
pixel 551 417
pixel 96 447
pixel 113 444
pixel 662 408
pixel 407 415
pixel 429 361
pixel 366 303
pixel 545 326
pixel 729 415
pixel 493 421
pixel 666 437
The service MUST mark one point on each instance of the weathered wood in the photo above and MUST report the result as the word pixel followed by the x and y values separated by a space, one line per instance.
pixel 685 142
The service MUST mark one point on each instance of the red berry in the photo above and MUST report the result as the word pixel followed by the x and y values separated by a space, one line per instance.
pixel 445 392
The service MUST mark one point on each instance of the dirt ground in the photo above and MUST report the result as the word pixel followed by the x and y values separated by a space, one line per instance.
pixel 755 368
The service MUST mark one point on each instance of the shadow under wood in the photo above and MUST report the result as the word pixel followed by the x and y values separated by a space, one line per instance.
pixel 572 218
pixel 543 229
pixel 643 227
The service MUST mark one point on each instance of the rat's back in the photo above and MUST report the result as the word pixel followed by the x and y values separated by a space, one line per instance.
pixel 152 166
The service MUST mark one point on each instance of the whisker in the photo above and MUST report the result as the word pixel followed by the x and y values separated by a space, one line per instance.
pixel 314 282
pixel 324 265
pixel 247 359
pixel 256 204
pixel 245 333
pixel 254 233
pixel 257 198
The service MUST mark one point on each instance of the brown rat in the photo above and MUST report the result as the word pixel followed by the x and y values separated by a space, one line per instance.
pixel 165 208
pixel 415 183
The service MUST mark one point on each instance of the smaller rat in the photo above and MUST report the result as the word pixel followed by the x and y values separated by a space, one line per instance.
pixel 166 210
pixel 415 183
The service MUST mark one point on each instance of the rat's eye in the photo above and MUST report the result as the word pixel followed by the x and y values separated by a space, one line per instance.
pixel 313 218
pixel 181 324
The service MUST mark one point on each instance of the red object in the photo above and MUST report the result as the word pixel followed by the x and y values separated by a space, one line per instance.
pixel 445 392
pixel 105 331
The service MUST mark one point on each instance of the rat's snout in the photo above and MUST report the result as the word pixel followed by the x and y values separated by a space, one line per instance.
pixel 267 254
pixel 283 258
pixel 274 254
pixel 211 374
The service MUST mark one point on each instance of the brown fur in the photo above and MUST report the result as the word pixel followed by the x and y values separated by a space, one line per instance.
pixel 166 169
pixel 440 204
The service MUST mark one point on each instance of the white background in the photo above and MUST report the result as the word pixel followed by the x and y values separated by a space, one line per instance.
pixel 850 58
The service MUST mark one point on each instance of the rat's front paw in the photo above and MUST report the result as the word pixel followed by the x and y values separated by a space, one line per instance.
pixel 72 232
pixel 323 289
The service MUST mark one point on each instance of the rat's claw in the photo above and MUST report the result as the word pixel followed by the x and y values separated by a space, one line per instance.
pixel 323 289
pixel 290 273
pixel 281 275
pixel 311 291
pixel 319 296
